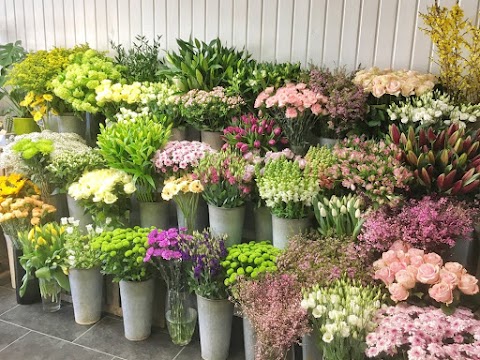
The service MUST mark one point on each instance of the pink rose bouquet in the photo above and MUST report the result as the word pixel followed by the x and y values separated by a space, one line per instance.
pixel 408 271
pixel 252 135
pixel 179 158
pixel 295 107
pixel 421 333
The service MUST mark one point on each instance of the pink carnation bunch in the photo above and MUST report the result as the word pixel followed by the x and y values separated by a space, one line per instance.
pixel 424 333
pixel 403 268
pixel 178 158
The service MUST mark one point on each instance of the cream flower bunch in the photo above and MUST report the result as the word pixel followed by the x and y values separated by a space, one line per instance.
pixel 394 82
pixel 104 193
pixel 343 313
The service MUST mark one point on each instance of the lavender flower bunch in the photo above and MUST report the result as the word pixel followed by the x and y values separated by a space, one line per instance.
pixel 206 275
pixel 346 106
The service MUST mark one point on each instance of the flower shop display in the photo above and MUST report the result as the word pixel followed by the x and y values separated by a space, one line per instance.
pixel 129 147
pixel 252 135
pixel 288 187
pixel 141 61
pixel 443 161
pixel 346 105
pixel 272 304
pixel 455 40
pixel 249 260
pixel 435 109
pixel 43 257
pixel 86 281
pixel 338 216
pixel 166 251
pixel 371 169
pixel 227 180
pixel 105 195
pixel 296 108
pixel 343 313
pixel 412 332
pixel 122 252
pixel 201 65
pixel 205 253
pixel 430 223
pixel 410 272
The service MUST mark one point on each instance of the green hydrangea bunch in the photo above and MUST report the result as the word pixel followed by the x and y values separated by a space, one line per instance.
pixel 250 260
pixel 122 251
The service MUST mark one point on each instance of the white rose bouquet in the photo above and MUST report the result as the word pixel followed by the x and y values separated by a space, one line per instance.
pixel 343 313
pixel 105 195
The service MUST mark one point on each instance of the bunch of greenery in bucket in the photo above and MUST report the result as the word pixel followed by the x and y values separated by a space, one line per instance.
pixel 318 260
pixel 411 272
pixel 253 136
pixel 166 251
pixel 272 304
pixel 287 185
pixel 209 110
pixel 185 191
pixel 435 109
pixel 21 213
pixel 34 76
pixel 44 252
pixel 387 86
pixel 130 146
pixel 443 161
pixel 371 169
pixel 431 223
pixel 296 108
pixel 226 177
pixel 122 251
pixel 69 166
pixel 339 216
pixel 76 84
pixel 250 260
pixel 343 313
pixel 346 105
pixel 105 194
pixel 413 332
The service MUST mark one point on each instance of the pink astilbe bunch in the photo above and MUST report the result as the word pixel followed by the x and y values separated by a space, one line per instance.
pixel 179 158
pixel 431 223
pixel 272 304
pixel 406 270
pixel 370 168
pixel 250 134
pixel 424 333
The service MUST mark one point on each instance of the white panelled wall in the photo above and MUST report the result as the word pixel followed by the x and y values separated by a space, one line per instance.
pixel 330 32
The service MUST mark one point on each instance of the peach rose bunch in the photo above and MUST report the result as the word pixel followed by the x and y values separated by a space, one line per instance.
pixel 405 269
pixel 389 82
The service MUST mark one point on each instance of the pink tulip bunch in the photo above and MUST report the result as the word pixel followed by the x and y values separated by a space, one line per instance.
pixel 404 269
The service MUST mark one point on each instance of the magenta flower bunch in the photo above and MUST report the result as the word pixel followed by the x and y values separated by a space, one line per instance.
pixel 422 333
pixel 430 223
pixel 227 178
pixel 407 271
pixel 250 134
pixel 179 158
pixel 272 304
pixel 370 168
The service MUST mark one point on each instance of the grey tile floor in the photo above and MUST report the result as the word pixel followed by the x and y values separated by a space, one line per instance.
pixel 27 333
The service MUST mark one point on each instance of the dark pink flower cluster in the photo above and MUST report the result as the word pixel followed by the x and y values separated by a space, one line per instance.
pixel 424 333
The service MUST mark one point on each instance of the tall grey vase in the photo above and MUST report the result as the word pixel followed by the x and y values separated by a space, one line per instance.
pixel 78 213
pixel 86 286
pixel 283 229
pixel 227 221
pixel 154 214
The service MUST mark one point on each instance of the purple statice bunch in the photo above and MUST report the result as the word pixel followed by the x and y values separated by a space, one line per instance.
pixel 166 251
pixel 272 304
pixel 421 333
pixel 250 134
pixel 431 223
pixel 346 106
pixel 205 253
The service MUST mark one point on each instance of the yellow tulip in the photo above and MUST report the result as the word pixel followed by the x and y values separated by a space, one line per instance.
pixel 48 97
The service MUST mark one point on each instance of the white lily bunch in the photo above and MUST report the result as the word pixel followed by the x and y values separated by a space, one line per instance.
pixel 343 313
pixel 339 216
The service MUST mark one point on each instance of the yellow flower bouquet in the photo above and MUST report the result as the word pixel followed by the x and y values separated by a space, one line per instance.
pixel 15 185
